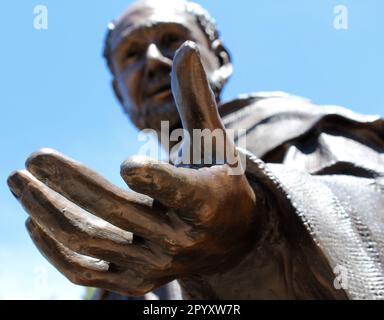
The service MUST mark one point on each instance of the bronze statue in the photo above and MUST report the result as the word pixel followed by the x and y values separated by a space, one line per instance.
pixel 309 204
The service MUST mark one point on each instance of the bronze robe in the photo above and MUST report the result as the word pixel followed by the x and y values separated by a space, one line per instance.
pixel 323 166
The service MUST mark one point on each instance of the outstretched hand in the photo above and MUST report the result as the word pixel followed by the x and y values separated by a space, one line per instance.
pixel 179 221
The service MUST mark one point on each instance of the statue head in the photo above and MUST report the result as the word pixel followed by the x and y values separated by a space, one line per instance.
pixel 139 49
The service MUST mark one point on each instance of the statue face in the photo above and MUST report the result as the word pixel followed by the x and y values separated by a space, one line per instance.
pixel 143 44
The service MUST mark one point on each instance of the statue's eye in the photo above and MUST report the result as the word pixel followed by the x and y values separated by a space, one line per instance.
pixel 171 41
pixel 133 54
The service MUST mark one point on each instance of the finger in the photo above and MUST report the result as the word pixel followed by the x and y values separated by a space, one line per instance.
pixel 83 270
pixel 93 193
pixel 178 188
pixel 76 228
pixel 194 98
pixel 197 108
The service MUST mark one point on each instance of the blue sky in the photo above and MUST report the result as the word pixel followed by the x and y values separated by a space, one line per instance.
pixel 55 91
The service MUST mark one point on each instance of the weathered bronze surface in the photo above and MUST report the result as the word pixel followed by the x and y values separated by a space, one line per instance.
pixel 275 232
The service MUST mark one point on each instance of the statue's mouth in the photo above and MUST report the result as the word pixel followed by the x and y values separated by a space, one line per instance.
pixel 159 92
pixel 163 94
pixel 157 100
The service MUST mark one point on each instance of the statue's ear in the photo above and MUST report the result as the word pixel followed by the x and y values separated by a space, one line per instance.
pixel 116 90
pixel 226 68
pixel 221 52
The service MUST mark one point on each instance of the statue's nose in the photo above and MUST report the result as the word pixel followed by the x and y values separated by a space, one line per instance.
pixel 155 59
